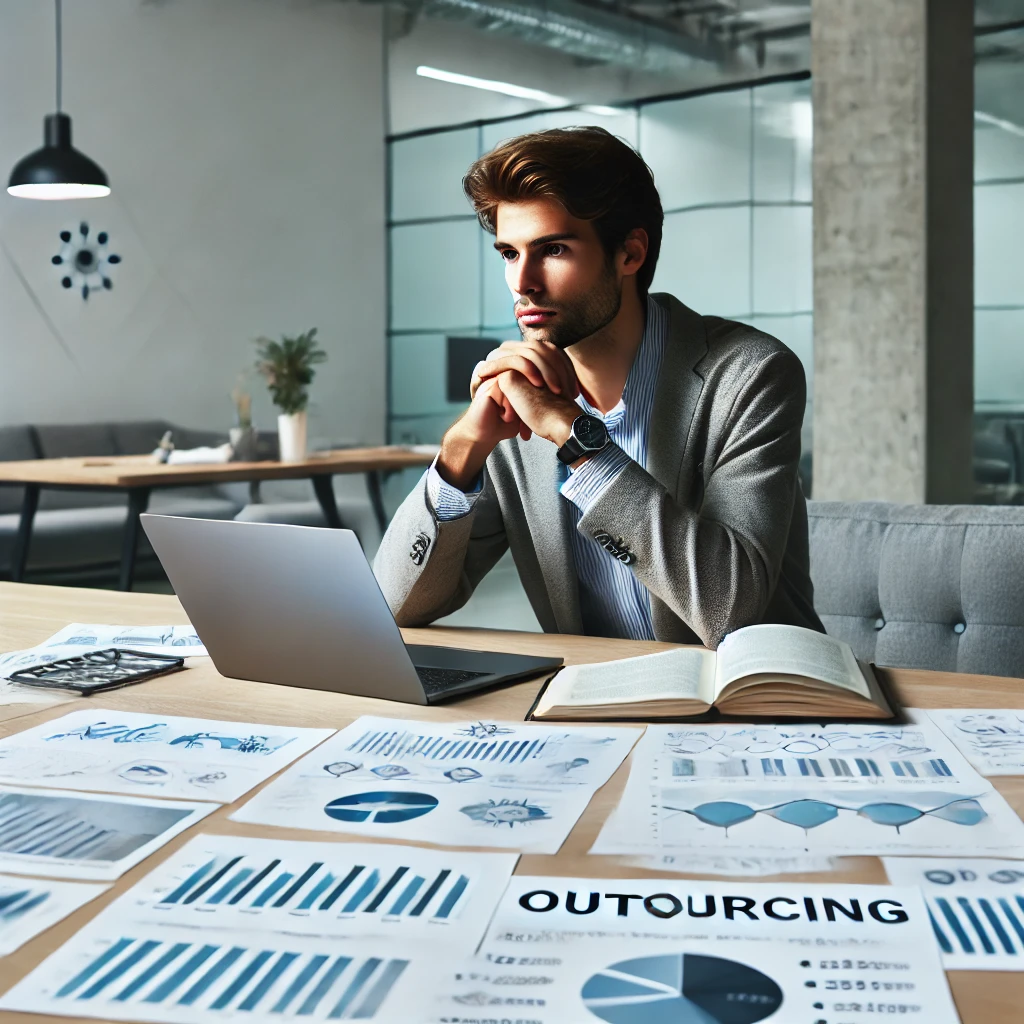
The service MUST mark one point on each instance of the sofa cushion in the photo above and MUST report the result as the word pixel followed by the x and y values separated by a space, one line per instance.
pixel 70 440
pixel 922 586
pixel 16 444
pixel 76 538
pixel 137 437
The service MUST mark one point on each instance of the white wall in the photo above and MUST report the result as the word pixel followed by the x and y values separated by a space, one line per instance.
pixel 244 144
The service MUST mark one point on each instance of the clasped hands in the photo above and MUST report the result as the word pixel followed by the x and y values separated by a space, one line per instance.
pixel 525 388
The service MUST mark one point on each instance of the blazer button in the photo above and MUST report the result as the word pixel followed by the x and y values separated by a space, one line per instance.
pixel 959 627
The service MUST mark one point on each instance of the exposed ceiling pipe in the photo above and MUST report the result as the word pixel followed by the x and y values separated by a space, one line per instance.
pixel 585 31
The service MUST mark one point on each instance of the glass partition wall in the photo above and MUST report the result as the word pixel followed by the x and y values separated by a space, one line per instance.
pixel 733 167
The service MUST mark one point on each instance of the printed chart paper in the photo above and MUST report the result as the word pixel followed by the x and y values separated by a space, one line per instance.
pixel 976 908
pixel 86 835
pixel 268 930
pixel 330 888
pixel 177 641
pixel 484 784
pixel 772 790
pixel 990 738
pixel 155 755
pixel 28 906
pixel 660 951
pixel 81 638
pixel 180 976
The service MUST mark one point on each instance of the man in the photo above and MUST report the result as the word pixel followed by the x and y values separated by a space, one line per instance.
pixel 640 460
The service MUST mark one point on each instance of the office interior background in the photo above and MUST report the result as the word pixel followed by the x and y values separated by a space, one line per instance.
pixel 281 164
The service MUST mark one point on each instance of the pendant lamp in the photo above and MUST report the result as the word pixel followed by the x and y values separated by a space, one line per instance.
pixel 58 170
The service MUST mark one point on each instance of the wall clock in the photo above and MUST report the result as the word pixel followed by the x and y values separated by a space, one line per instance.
pixel 85 261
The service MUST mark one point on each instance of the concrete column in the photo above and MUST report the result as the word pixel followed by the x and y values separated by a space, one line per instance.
pixel 893 89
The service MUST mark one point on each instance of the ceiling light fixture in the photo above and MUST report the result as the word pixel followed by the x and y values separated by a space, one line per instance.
pixel 58 170
pixel 519 91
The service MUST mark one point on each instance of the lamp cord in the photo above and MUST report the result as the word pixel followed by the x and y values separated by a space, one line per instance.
pixel 59 61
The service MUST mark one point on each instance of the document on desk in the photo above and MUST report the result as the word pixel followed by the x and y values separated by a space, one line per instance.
pixel 28 906
pixel 158 755
pixel 976 907
pixel 81 638
pixel 654 951
pixel 486 784
pixel 232 926
pixel 86 835
pixel 992 739
pixel 825 790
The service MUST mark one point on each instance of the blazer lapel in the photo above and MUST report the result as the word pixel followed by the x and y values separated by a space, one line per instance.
pixel 550 525
pixel 675 400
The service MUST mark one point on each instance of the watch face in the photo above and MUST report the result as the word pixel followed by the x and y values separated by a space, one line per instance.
pixel 590 431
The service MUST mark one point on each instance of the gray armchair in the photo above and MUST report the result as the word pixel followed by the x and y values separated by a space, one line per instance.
pixel 922 586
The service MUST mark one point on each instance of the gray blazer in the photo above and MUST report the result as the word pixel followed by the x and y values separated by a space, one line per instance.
pixel 716 523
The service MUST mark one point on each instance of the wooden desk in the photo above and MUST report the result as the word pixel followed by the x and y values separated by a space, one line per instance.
pixel 138 475
pixel 29 614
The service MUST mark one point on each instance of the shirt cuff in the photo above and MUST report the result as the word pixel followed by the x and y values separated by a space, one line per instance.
pixel 449 502
pixel 586 484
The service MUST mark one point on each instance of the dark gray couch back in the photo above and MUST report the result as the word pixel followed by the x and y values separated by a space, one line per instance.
pixel 922 586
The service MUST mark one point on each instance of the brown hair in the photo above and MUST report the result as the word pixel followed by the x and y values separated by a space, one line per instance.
pixel 590 172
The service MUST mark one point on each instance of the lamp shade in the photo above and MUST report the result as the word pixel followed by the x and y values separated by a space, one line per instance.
pixel 58 170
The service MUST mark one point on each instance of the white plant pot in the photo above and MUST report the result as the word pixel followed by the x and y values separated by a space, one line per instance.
pixel 291 432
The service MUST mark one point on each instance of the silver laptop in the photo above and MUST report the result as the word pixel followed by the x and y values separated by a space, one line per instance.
pixel 300 606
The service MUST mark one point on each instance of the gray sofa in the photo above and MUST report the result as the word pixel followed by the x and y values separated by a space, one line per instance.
pixel 78 533
pixel 922 586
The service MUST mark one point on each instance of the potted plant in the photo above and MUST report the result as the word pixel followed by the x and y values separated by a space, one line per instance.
pixel 287 366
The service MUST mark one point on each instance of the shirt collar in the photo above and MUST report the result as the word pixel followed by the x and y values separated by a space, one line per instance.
pixel 644 371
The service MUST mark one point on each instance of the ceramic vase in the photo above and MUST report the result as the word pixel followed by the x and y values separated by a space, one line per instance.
pixel 291 433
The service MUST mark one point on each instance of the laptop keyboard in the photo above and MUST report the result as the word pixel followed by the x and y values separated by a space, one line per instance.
pixel 437 680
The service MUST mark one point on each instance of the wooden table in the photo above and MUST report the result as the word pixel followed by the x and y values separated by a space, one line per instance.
pixel 138 475
pixel 29 614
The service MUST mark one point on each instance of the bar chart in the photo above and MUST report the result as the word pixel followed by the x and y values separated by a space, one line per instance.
pixel 980 931
pixel 809 768
pixel 135 977
pixel 86 835
pixel 342 889
pixel 247 883
pixel 401 743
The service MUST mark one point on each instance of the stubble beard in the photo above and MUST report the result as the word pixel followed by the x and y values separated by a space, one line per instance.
pixel 584 317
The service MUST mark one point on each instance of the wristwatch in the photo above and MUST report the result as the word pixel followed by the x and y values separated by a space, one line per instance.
pixel 588 434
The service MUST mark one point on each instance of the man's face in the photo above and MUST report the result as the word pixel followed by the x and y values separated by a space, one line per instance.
pixel 564 287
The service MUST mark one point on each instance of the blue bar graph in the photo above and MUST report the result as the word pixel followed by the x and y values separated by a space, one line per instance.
pixel 984 927
pixel 395 745
pixel 68 827
pixel 253 884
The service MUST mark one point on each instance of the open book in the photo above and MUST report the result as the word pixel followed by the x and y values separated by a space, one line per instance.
pixel 765 670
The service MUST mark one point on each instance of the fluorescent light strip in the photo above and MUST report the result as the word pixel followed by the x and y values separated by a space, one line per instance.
pixel 508 89
pixel 519 91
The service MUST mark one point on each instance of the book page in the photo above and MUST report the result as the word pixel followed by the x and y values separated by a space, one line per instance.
pixel 685 674
pixel 788 650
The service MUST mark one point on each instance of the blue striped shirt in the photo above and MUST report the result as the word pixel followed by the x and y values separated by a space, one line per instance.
pixel 613 602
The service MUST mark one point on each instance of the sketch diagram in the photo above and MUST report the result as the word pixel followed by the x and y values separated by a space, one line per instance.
pixel 337 768
pixel 484 730
pixel 175 756
pixel 505 812
pixel 167 639
pixel 992 739
pixel 462 774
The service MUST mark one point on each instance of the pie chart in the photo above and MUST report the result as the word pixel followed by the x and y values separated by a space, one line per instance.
pixel 681 988
pixel 383 808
